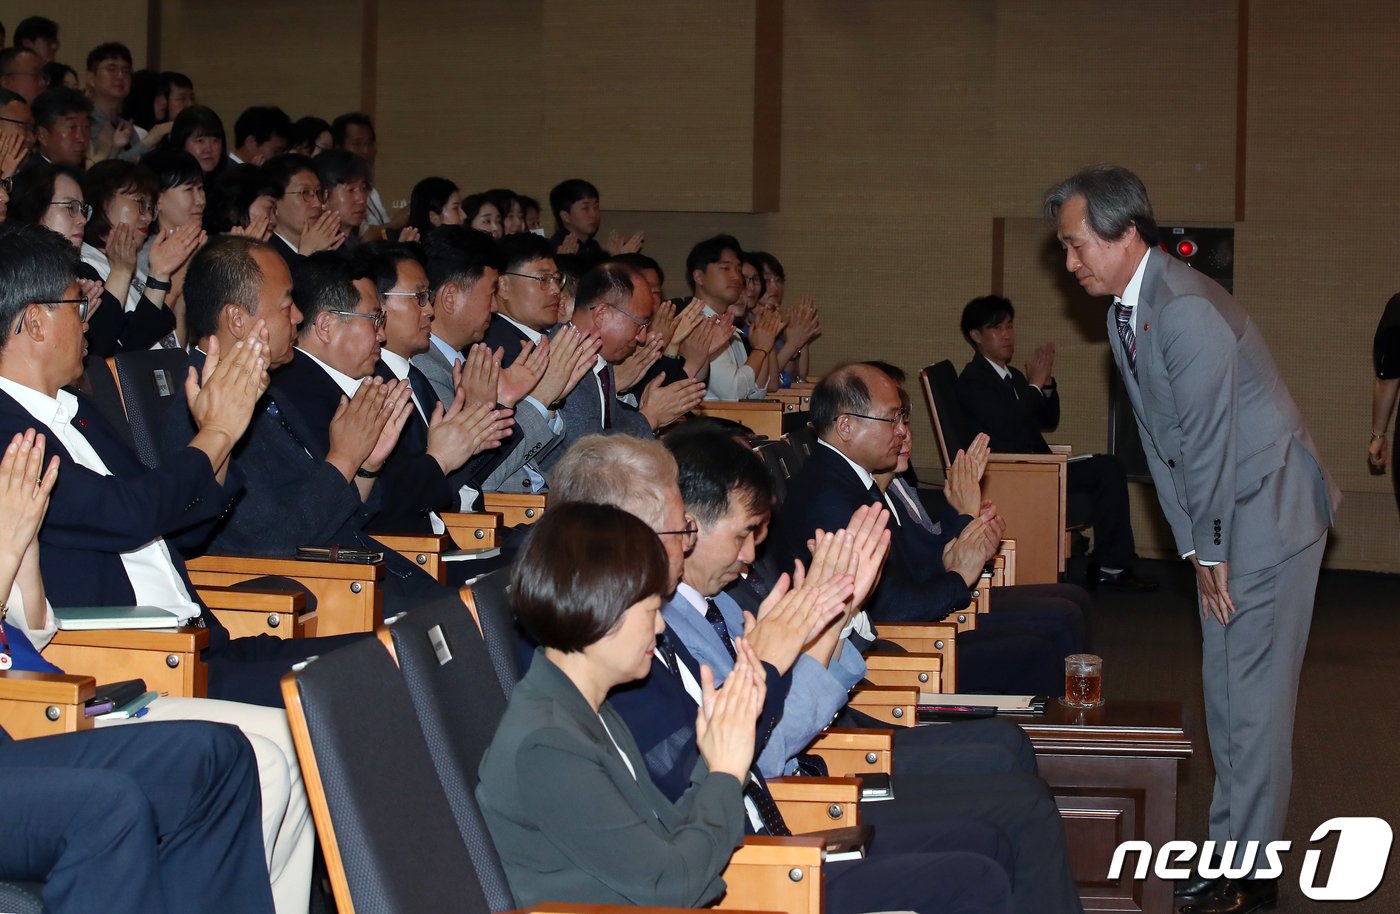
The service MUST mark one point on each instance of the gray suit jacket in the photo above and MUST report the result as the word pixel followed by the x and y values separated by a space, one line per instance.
pixel 572 823
pixel 1238 476
pixel 537 439
pixel 582 412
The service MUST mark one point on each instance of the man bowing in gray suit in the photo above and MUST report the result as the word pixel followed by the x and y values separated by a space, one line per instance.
pixel 1242 486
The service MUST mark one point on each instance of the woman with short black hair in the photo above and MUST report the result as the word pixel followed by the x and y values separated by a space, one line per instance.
pixel 563 768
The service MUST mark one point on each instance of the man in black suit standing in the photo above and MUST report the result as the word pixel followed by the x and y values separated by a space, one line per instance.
pixel 1013 408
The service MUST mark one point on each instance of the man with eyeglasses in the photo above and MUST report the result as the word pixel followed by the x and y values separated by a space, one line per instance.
pixel 22 72
pixel 108 85
pixel 62 125
pixel 615 304
pixel 16 121
pixel 304 224
pixel 862 426
pixel 338 347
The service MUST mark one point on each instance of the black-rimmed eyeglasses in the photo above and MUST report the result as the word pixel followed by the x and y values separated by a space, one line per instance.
pixel 688 536
pixel 899 418
pixel 83 307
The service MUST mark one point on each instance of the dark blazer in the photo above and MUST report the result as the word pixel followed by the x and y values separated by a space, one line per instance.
pixel 661 715
pixel 824 495
pixel 582 415
pixel 1014 414
pixel 93 518
pixel 412 482
pixel 502 334
pixel 572 823
pixel 112 329
pixel 294 498
pixel 290 254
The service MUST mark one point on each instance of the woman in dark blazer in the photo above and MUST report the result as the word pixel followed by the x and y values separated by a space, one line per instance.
pixel 565 792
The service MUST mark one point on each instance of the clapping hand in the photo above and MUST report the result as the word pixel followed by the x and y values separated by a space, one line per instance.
pixel 725 725
pixel 321 234
pixel 1041 368
pixel 524 374
pixel 632 369
pixel 664 404
pixel 25 484
pixel 478 377
pixel 963 488
pixel 618 244
pixel 173 249
pixel 222 399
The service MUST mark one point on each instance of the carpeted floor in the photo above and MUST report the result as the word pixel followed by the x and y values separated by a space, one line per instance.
pixel 1345 752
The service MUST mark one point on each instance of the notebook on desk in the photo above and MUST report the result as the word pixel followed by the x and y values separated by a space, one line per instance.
pixel 97 618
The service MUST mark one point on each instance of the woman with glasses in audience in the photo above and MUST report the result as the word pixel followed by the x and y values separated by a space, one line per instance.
pixel 123 197
pixel 52 196
pixel 483 215
pixel 303 223
pixel 200 132
pixel 563 769
pixel 434 202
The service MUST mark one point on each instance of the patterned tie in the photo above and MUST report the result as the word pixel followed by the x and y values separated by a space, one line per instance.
pixel 773 822
pixel 716 620
pixel 1125 333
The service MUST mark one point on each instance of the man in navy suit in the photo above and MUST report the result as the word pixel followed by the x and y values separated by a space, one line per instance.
pixel 104 537
pixel 303 486
pixel 1014 408
pixel 862 426
pixel 144 820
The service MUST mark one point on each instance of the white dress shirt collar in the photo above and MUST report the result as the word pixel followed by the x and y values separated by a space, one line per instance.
pixel 452 355
pixel 1001 370
pixel 693 597
pixel 52 411
pixel 347 384
pixel 533 334
pixel 397 363
pixel 1133 290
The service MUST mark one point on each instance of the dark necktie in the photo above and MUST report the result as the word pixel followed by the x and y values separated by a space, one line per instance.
pixel 773 823
pixel 1124 314
pixel 667 654
pixel 1011 383
pixel 605 382
pixel 716 620
pixel 423 390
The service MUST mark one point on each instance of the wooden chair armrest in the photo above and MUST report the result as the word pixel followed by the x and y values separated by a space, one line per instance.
pixel 265 600
pixel 168 659
pixel 515 508
pixel 1007 553
pixel 897 707
pixel 277 611
pixel 812 804
pixel 348 594
pixel 472 531
pixel 760 876
pixel 1065 449
pixel 852 752
pixel 763 417
pixel 422 549
pixel 43 704
pixel 919 637
pixel 921 672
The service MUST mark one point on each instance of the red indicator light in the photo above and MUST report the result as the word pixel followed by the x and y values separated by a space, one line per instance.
pixel 1186 247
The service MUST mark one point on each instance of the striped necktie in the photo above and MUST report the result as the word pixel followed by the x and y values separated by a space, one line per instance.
pixel 1124 315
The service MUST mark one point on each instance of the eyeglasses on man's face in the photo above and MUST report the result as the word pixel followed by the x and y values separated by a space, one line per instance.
pixel 423 298
pixel 307 194
pixel 901 417
pixel 545 280
pixel 83 307
pixel 645 325
pixel 688 536
pixel 26 127
pixel 75 208
pixel 378 317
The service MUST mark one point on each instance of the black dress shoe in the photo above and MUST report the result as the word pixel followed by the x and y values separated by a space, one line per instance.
pixel 1128 580
pixel 1237 896
pixel 1196 888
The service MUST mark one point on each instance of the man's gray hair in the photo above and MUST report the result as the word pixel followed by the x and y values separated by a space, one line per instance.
pixel 1114 198
pixel 633 474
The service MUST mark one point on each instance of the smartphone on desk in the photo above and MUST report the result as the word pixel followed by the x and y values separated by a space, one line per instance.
pixel 339 554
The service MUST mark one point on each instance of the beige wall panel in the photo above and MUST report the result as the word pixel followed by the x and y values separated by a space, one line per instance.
pixel 1316 259
pixel 302 56
pixel 460 95
pixel 885 218
pixel 1150 86
pixel 82 25
pixel 653 102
